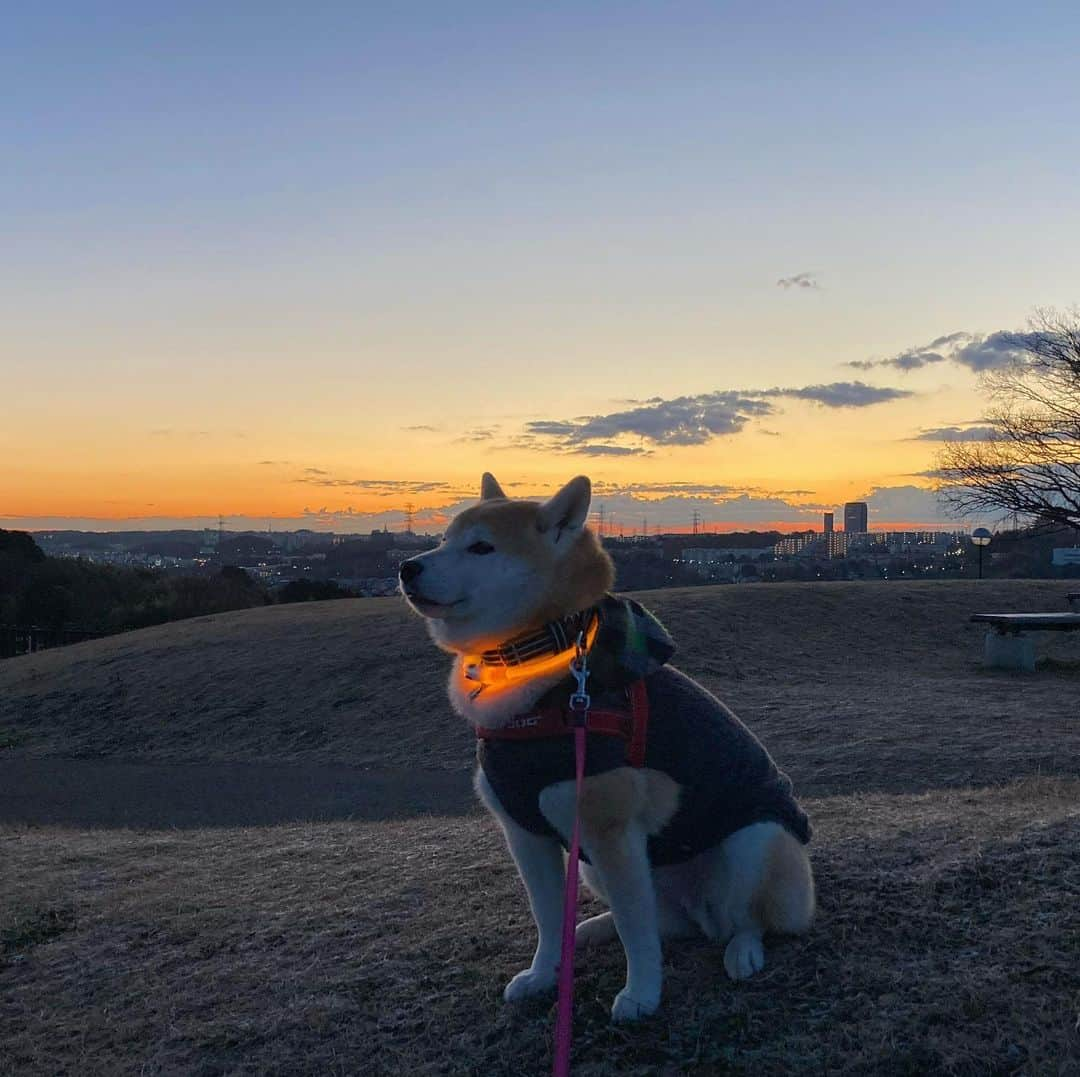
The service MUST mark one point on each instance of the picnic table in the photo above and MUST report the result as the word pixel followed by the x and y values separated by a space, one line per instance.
pixel 1009 641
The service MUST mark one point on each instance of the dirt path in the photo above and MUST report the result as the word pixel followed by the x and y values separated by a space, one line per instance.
pixel 108 793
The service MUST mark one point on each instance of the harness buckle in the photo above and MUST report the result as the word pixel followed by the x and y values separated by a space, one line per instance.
pixel 580 701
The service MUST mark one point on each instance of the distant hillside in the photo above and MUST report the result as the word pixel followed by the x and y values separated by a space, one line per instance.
pixel 360 683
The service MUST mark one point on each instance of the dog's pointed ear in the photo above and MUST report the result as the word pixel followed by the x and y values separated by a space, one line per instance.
pixel 489 487
pixel 565 514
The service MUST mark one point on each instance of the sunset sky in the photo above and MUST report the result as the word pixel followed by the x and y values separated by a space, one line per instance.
pixel 308 264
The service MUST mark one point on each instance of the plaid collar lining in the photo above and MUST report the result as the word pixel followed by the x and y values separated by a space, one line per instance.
pixel 554 638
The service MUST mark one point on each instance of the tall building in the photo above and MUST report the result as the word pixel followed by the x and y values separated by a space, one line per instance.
pixel 828 523
pixel 856 518
pixel 792 544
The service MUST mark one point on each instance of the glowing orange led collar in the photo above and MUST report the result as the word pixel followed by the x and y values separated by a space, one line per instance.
pixel 486 675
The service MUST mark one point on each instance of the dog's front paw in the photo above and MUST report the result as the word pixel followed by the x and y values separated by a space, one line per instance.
pixel 629 1007
pixel 744 955
pixel 529 982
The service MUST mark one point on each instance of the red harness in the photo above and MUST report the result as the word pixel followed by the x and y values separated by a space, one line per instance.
pixel 553 721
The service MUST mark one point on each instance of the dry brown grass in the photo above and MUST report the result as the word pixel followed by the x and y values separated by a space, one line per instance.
pixel 948 941
pixel 948 860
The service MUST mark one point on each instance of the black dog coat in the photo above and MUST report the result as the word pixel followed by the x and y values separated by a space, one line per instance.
pixel 727 780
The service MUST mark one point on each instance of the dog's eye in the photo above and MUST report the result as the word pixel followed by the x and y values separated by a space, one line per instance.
pixel 481 547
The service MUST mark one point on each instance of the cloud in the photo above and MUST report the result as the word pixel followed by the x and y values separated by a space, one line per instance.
pixel 609 450
pixel 691 420
pixel 630 506
pixel 652 489
pixel 995 351
pixel 800 280
pixel 685 420
pixel 422 427
pixel 552 428
pixel 746 508
pixel 917 506
pixel 914 504
pixel 844 394
pixel 173 432
pixel 976 352
pixel 374 487
pixel 956 433
pixel 477 434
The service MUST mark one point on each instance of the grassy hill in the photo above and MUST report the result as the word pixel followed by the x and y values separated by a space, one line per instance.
pixel 853 686
pixel 947 850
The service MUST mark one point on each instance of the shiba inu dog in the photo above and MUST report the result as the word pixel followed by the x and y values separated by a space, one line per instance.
pixel 698 834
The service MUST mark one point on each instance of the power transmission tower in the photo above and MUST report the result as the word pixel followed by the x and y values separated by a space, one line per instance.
pixel 220 530
pixel 601 515
pixel 410 509
pixel 697 521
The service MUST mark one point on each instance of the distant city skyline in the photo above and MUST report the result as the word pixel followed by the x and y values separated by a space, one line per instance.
pixel 662 515
pixel 742 261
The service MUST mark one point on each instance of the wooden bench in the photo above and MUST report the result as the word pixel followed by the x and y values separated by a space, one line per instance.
pixel 1009 643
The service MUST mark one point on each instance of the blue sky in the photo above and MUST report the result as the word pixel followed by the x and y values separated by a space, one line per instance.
pixel 489 215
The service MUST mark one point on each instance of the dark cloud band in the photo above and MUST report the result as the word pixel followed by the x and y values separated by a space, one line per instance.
pixel 695 420
pixel 977 353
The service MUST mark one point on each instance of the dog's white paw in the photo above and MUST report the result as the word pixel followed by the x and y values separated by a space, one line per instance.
pixel 595 930
pixel 745 955
pixel 629 1007
pixel 529 982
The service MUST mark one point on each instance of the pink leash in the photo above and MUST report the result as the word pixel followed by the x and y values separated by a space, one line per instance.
pixel 564 1021
pixel 564 1030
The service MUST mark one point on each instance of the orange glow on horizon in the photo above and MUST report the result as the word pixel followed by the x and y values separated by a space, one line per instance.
pixel 335 475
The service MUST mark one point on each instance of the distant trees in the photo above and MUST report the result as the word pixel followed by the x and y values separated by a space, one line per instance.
pixel 63 594
pixel 59 593
pixel 196 596
pixel 1030 465
pixel 19 547
pixel 19 555
pixel 311 591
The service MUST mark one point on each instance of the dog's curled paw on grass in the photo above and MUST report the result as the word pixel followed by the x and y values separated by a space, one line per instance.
pixel 629 1007
pixel 529 982
pixel 744 955
pixel 595 931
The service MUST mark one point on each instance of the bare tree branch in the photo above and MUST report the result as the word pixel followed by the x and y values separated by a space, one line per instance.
pixel 1031 465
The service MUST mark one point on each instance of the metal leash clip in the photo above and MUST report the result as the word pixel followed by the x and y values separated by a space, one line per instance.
pixel 579 670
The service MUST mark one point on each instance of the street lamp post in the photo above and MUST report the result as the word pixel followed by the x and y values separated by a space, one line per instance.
pixel 980 537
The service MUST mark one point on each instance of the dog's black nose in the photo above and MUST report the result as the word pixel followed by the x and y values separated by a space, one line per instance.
pixel 409 570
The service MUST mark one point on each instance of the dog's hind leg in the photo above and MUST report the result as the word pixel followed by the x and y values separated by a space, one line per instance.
pixel 763 883
pixel 539 862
